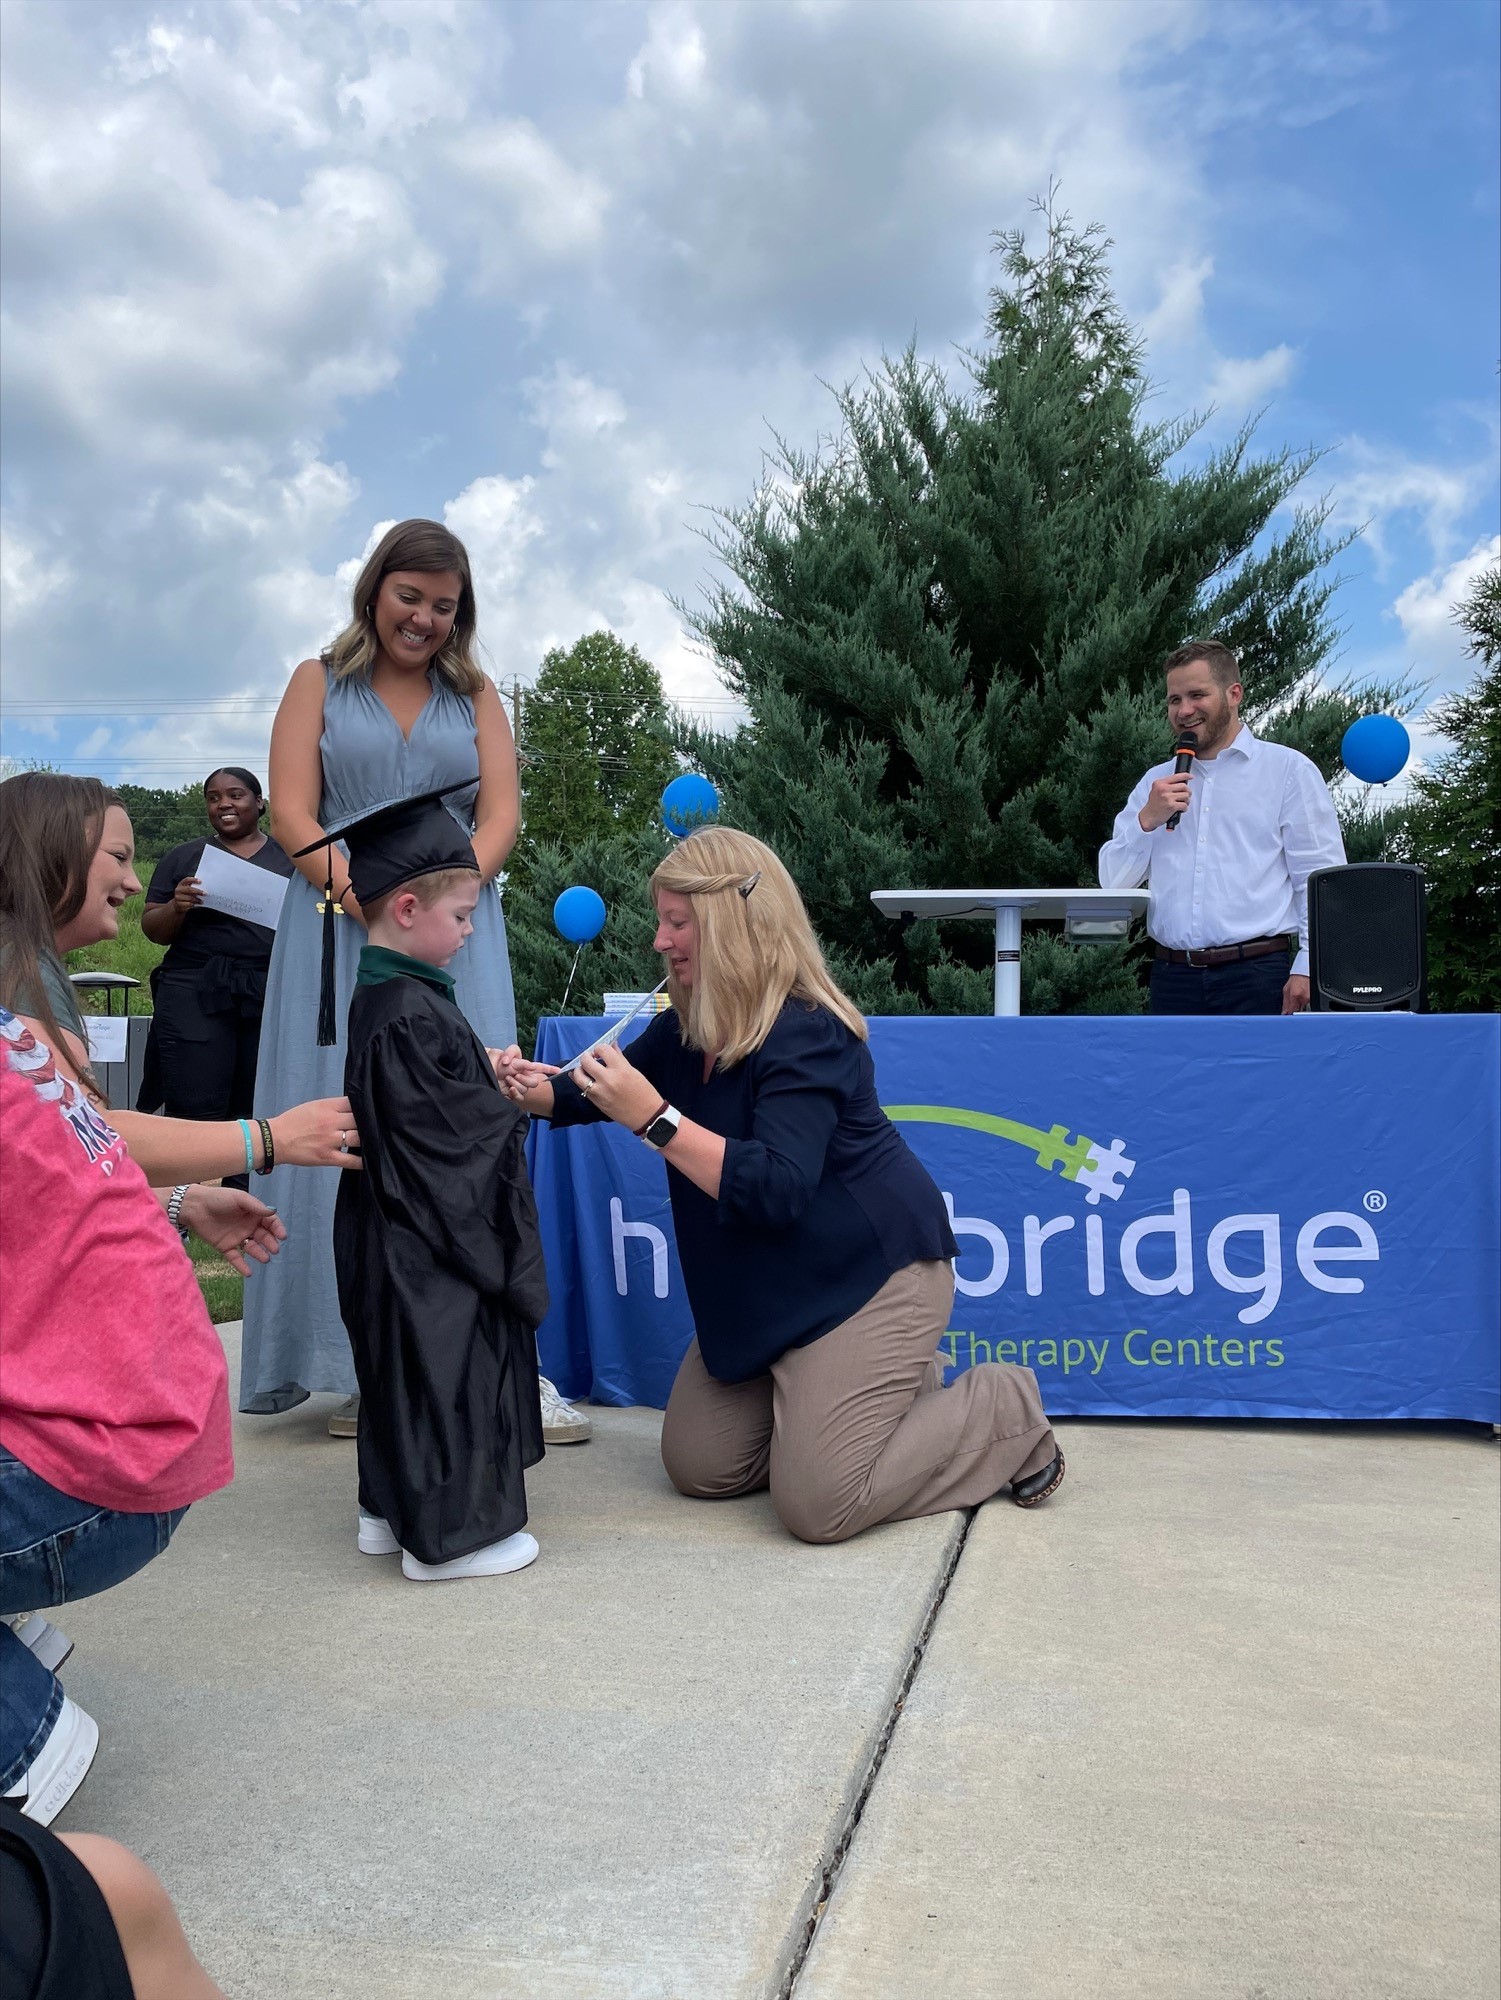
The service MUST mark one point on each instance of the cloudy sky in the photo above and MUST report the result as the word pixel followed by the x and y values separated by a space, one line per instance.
pixel 279 271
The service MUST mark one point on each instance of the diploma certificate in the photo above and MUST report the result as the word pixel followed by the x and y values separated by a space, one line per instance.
pixel 239 889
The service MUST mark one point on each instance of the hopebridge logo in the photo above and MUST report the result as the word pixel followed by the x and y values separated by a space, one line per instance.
pixel 1099 1170
pixel 1153 1255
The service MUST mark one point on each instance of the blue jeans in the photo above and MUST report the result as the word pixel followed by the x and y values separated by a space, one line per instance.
pixel 1244 986
pixel 52 1548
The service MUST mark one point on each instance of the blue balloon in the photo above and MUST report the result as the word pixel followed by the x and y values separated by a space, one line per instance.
pixel 687 803
pixel 1375 748
pixel 579 914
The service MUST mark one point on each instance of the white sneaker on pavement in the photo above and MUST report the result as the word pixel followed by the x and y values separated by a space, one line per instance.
pixel 345 1421
pixel 499 1559
pixel 562 1423
pixel 376 1538
pixel 43 1639
pixel 59 1767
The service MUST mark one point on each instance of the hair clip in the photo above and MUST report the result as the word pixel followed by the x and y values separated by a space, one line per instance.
pixel 749 883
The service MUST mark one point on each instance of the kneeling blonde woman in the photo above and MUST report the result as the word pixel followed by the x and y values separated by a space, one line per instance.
pixel 815 1247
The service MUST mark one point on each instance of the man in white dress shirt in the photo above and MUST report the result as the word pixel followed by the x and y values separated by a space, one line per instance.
pixel 1227 887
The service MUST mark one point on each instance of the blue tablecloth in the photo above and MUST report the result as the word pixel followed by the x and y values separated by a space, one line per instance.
pixel 1250 1217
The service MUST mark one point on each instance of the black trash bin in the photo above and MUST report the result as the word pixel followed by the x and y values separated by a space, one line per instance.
pixel 120 1081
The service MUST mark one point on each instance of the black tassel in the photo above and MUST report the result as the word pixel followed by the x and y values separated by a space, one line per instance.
pixel 328 1031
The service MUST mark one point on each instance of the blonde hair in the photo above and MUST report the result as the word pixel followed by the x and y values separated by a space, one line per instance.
pixel 756 948
pixel 428 889
pixel 428 548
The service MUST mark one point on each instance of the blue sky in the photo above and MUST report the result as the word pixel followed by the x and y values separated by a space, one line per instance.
pixel 276 274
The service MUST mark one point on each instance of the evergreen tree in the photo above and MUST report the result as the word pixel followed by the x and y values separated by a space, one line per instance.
pixel 1451 826
pixel 595 743
pixel 948 628
pixel 620 960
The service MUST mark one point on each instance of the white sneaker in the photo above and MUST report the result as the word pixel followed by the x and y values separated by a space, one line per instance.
pixel 59 1767
pixel 376 1538
pixel 499 1559
pixel 561 1422
pixel 345 1421
pixel 43 1639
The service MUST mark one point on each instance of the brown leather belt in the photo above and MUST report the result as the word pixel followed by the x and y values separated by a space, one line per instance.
pixel 1222 954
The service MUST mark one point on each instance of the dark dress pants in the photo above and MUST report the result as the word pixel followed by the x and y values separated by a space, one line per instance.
pixel 207 1055
pixel 1245 986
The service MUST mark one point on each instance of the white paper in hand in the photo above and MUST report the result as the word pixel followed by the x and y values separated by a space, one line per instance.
pixel 610 1034
pixel 239 889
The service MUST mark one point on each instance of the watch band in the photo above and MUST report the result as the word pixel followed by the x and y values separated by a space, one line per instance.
pixel 174 1209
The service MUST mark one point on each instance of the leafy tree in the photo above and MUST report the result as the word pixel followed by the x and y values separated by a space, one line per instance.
pixel 948 625
pixel 1451 826
pixel 596 752
pixel 595 743
pixel 163 818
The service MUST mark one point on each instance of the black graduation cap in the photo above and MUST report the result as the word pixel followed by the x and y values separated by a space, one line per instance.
pixel 387 847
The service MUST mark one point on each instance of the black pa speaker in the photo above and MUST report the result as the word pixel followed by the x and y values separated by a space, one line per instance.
pixel 1367 939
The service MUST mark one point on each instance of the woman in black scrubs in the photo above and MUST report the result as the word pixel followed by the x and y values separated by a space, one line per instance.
pixel 209 990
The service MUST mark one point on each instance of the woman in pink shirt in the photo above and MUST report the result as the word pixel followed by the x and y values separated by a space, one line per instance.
pixel 113 1395
pixel 114 1410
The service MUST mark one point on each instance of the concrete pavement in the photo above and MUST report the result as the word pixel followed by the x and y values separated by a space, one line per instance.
pixel 620 1772
pixel 1224 1725
pixel 1219 1720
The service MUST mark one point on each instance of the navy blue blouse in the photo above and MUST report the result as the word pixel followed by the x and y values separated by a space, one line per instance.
pixel 820 1200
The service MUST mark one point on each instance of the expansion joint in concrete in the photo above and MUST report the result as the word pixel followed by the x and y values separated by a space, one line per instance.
pixel 828 1877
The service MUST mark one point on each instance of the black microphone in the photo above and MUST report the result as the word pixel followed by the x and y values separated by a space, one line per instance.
pixel 1187 747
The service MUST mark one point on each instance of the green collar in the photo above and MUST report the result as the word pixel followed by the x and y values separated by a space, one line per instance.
pixel 377 965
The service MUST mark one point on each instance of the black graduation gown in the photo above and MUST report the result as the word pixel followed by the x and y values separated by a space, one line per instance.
pixel 440 1274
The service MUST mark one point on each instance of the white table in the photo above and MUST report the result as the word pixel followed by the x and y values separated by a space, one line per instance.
pixel 1008 907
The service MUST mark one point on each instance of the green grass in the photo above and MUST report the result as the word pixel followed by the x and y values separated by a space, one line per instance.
pixel 222 1286
pixel 131 952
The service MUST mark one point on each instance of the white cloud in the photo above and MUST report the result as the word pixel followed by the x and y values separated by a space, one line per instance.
pixel 399 94
pixel 1239 387
pixel 273 270
pixel 494 519
pixel 1177 317
pixel 1426 611
pixel 268 83
pixel 555 209
pixel 1372 485
pixel 673 59
pixel 28 579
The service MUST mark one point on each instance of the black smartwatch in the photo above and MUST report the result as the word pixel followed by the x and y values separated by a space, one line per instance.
pixel 663 1127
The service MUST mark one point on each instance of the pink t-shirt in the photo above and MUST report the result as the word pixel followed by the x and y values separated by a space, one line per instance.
pixel 113 1386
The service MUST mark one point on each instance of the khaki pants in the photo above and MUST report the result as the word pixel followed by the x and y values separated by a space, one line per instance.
pixel 854 1428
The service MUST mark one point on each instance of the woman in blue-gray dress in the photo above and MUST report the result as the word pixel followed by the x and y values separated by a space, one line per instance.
pixel 394 708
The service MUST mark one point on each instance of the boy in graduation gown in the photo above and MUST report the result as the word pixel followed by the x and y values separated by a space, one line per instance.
pixel 436 1245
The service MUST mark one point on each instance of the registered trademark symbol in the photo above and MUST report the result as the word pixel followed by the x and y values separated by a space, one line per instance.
pixel 1375 1201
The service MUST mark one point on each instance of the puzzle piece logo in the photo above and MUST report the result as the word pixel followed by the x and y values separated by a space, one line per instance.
pixel 1099 1170
pixel 1106 1172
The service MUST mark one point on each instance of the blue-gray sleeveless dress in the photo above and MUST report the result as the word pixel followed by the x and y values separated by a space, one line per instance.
pixel 294 1338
